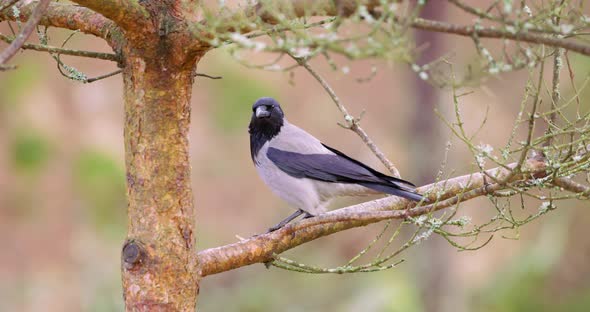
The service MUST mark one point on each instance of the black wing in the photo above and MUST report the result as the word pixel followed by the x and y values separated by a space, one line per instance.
pixel 340 168
pixel 373 171
pixel 323 167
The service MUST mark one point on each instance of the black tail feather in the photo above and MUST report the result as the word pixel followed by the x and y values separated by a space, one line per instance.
pixel 394 190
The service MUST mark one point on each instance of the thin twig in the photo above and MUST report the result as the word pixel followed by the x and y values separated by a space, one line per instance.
pixel 573 83
pixel 557 64
pixel 26 31
pixel 486 15
pixel 207 76
pixel 73 73
pixel 91 80
pixel 7 67
pixel 52 49
pixel 531 121
pixel 353 123
pixel 8 4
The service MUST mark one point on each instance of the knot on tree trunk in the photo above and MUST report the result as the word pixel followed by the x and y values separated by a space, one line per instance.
pixel 133 254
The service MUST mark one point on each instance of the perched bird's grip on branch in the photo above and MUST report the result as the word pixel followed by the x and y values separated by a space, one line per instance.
pixel 442 194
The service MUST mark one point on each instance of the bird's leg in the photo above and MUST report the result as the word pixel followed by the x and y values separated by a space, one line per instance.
pixel 307 215
pixel 287 220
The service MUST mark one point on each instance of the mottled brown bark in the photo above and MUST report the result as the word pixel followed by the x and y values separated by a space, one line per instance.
pixel 128 14
pixel 67 16
pixel 159 256
pixel 158 55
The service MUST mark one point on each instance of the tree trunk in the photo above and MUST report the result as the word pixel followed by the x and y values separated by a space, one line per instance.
pixel 159 257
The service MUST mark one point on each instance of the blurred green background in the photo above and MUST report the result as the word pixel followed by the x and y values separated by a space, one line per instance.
pixel 62 191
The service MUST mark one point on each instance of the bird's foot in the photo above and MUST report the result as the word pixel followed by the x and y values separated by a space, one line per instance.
pixel 274 228
pixel 287 220
pixel 308 215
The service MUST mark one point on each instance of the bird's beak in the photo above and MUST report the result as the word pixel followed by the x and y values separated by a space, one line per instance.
pixel 262 112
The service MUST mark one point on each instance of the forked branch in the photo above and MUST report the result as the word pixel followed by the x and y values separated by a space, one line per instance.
pixel 26 31
pixel 442 195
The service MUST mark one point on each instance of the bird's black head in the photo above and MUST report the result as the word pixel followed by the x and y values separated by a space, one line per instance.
pixel 266 123
pixel 268 110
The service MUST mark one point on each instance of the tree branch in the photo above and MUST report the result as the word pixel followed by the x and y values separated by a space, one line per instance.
pixel 101 77
pixel 353 123
pixel 7 4
pixel 67 16
pixel 26 31
pixel 498 19
pixel 289 8
pixel 52 49
pixel 261 248
pixel 482 32
pixel 572 186
pixel 302 8
pixel 128 14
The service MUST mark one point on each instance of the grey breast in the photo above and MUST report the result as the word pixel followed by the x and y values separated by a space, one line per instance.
pixel 300 193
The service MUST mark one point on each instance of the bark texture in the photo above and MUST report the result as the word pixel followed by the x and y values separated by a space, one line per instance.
pixel 158 257
pixel 67 16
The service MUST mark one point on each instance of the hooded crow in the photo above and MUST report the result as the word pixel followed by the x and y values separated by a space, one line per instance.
pixel 306 173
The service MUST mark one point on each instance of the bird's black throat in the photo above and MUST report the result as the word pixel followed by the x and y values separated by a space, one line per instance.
pixel 261 131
